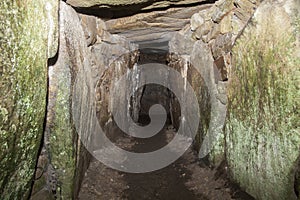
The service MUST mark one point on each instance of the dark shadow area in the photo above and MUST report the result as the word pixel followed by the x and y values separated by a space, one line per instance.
pixel 159 140
pixel 149 95
pixel 153 52
pixel 297 179
pixel 39 171
pixel 112 12
pixel 152 94
pixel 222 173
pixel 166 183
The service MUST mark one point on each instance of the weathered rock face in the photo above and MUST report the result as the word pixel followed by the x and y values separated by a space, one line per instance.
pixel 28 37
pixel 110 72
pixel 156 26
pixel 262 131
pixel 250 74
pixel 86 54
pixel 224 17
pixel 207 44
pixel 62 152
pixel 213 25
pixel 140 4
pixel 200 72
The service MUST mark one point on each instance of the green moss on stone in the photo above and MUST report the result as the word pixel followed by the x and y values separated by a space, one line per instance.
pixel 23 85
pixel 62 147
pixel 262 141
pixel 23 82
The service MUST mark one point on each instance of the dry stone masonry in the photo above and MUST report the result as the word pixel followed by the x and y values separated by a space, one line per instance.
pixel 241 58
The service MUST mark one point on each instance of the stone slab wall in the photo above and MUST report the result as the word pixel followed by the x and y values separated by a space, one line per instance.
pixel 28 37
pixel 262 131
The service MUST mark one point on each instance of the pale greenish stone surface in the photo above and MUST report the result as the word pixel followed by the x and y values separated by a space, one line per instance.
pixel 62 136
pixel 68 157
pixel 65 153
pixel 23 86
pixel 262 131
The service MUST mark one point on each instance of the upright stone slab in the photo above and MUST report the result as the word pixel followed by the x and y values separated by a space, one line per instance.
pixel 28 36
pixel 262 131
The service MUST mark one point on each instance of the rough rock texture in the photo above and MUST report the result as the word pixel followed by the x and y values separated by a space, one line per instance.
pixel 262 131
pixel 62 151
pixel 217 28
pixel 261 140
pixel 207 46
pixel 153 26
pixel 198 70
pixel 85 52
pixel 28 36
pixel 221 24
pixel 113 56
pixel 225 16
pixel 190 74
pixel 141 4
pixel 152 30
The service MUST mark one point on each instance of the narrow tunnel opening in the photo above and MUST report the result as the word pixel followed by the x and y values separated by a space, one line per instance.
pixel 179 180
pixel 186 178
pixel 142 100
pixel 151 94
pixel 182 179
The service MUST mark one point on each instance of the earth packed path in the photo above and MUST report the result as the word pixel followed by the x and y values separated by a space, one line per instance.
pixel 186 179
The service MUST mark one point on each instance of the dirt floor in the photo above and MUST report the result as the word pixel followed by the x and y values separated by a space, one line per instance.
pixel 186 179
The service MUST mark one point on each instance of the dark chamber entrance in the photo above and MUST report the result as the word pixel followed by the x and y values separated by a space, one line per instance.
pixel 183 179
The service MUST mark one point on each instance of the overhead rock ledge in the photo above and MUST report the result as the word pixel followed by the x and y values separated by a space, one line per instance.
pixel 143 4
pixel 154 26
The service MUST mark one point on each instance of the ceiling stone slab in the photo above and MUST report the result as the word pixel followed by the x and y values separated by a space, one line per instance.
pixel 155 26
pixel 143 4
